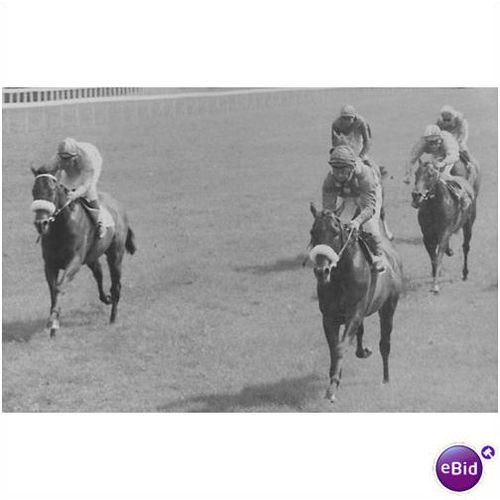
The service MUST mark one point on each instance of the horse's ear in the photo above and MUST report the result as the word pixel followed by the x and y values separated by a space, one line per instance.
pixel 313 210
pixel 33 169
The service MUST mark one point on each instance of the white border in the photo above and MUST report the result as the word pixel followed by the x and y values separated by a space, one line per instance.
pixel 222 43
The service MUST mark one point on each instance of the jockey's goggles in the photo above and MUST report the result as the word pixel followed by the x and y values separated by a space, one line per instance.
pixel 66 156
pixel 340 166
pixel 433 142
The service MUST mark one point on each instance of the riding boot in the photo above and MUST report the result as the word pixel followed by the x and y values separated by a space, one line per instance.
pixel 465 157
pixel 378 254
pixel 94 211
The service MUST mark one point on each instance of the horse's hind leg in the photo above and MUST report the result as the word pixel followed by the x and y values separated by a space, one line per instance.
pixel 386 314
pixel 114 257
pixel 96 269
pixel 361 352
pixel 53 321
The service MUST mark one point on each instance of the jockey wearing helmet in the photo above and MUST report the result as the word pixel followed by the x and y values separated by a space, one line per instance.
pixel 454 122
pixel 78 167
pixel 359 188
pixel 441 145
pixel 353 130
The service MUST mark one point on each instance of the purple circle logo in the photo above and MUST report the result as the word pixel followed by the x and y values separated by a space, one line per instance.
pixel 459 468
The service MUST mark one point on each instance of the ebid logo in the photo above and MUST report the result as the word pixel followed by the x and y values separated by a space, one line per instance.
pixel 459 468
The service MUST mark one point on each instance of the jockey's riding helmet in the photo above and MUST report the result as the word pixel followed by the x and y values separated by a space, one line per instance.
pixel 348 110
pixel 432 133
pixel 67 148
pixel 341 157
pixel 448 110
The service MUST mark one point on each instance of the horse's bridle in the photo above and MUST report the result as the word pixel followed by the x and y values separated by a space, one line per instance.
pixel 56 212
pixel 329 248
pixel 429 194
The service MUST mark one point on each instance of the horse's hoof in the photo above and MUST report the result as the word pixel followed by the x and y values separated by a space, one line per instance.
pixel 364 353
pixel 464 277
pixel 330 396
pixel 53 333
pixel 435 291
pixel 106 299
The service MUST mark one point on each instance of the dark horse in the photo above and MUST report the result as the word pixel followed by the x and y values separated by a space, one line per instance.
pixel 69 240
pixel 349 291
pixel 441 214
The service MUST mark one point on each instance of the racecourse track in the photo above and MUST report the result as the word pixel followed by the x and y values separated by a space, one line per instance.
pixel 217 312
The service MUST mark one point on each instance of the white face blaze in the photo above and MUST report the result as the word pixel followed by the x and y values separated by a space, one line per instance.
pixel 324 251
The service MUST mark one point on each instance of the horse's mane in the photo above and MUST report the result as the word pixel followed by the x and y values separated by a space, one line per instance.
pixel 44 169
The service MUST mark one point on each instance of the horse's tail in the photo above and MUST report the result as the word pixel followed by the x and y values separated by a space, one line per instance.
pixel 130 242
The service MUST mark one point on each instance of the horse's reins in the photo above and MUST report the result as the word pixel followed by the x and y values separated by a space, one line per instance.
pixel 346 243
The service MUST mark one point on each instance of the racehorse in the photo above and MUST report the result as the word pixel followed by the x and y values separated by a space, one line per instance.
pixel 349 290
pixel 69 240
pixel 441 213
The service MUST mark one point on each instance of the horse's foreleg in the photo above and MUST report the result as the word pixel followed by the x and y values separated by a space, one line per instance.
pixel 386 314
pixel 467 230
pixel 443 245
pixel 350 330
pixel 69 273
pixel 53 321
pixel 97 272
pixel 361 352
pixel 431 247
pixel 114 258
pixel 331 328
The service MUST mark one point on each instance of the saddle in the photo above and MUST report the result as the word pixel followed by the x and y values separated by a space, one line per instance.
pixel 460 189
pixel 102 215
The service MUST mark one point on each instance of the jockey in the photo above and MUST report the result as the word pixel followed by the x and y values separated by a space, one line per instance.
pixel 441 145
pixel 357 185
pixel 78 167
pixel 454 122
pixel 354 131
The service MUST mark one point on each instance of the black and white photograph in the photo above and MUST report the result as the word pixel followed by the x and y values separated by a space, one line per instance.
pixel 249 249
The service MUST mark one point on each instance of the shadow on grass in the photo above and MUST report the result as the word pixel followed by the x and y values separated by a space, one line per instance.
pixel 21 331
pixel 492 287
pixel 289 394
pixel 278 266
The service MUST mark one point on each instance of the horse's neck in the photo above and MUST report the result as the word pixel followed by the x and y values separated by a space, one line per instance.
pixel 347 264
pixel 440 190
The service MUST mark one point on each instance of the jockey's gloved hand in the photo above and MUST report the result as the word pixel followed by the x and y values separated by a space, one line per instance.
pixel 72 196
pixel 353 225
